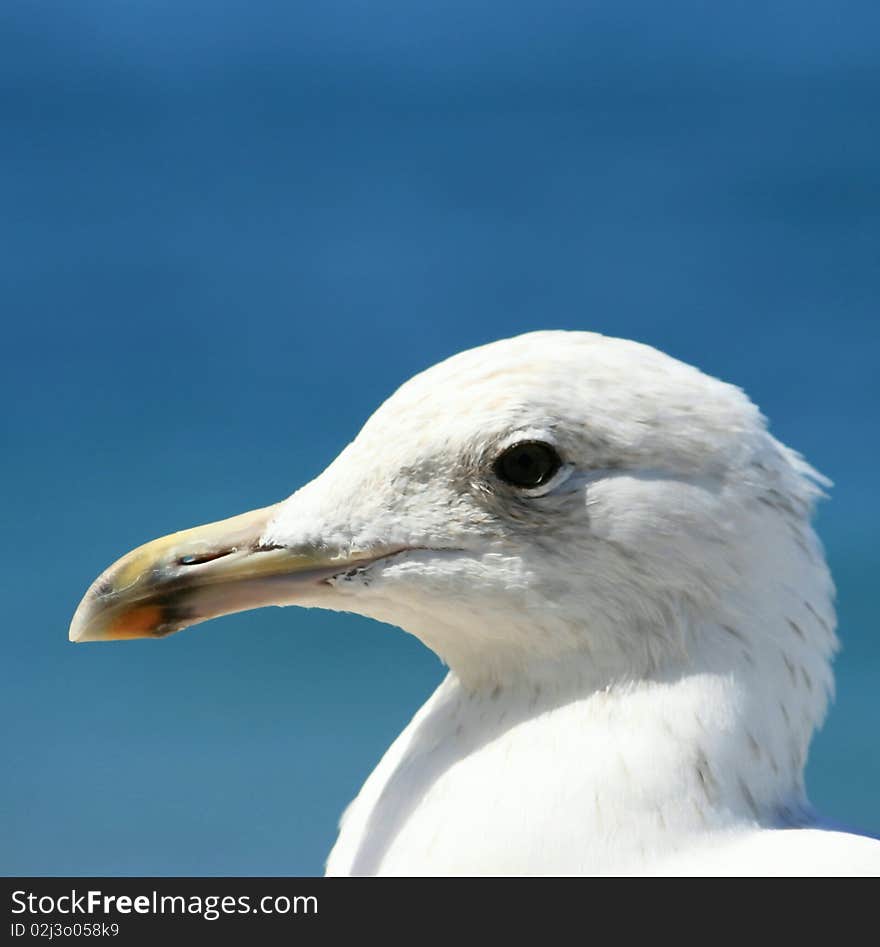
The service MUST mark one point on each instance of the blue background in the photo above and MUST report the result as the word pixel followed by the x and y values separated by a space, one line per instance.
pixel 229 230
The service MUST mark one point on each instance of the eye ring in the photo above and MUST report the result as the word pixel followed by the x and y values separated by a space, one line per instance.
pixel 527 465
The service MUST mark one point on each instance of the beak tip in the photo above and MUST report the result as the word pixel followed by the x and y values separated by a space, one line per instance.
pixel 77 632
pixel 83 625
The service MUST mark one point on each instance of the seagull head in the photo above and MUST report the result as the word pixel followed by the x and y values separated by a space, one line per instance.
pixel 555 497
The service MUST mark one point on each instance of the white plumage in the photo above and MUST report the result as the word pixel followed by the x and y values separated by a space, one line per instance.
pixel 639 649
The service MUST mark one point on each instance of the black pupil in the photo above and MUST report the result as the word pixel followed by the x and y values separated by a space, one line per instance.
pixel 527 465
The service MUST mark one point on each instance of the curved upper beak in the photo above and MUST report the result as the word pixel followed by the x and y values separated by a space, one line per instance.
pixel 197 574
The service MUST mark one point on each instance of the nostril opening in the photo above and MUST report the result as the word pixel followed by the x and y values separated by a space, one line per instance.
pixel 104 587
pixel 198 559
pixel 267 547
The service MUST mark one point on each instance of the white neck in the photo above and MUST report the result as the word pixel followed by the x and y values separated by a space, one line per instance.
pixel 647 765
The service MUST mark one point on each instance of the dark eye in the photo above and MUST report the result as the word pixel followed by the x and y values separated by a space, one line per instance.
pixel 529 464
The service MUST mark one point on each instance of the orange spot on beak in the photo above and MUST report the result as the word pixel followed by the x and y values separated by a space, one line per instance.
pixel 140 622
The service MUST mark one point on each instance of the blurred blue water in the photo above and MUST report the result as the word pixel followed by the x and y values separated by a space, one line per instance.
pixel 229 231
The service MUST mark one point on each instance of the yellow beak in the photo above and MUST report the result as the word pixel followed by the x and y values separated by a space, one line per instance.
pixel 197 574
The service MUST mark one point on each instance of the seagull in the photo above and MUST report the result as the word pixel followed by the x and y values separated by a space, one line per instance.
pixel 615 560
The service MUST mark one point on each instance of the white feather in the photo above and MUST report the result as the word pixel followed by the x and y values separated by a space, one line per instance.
pixel 638 657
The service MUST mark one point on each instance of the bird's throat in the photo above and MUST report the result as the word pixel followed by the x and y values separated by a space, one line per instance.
pixel 644 766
